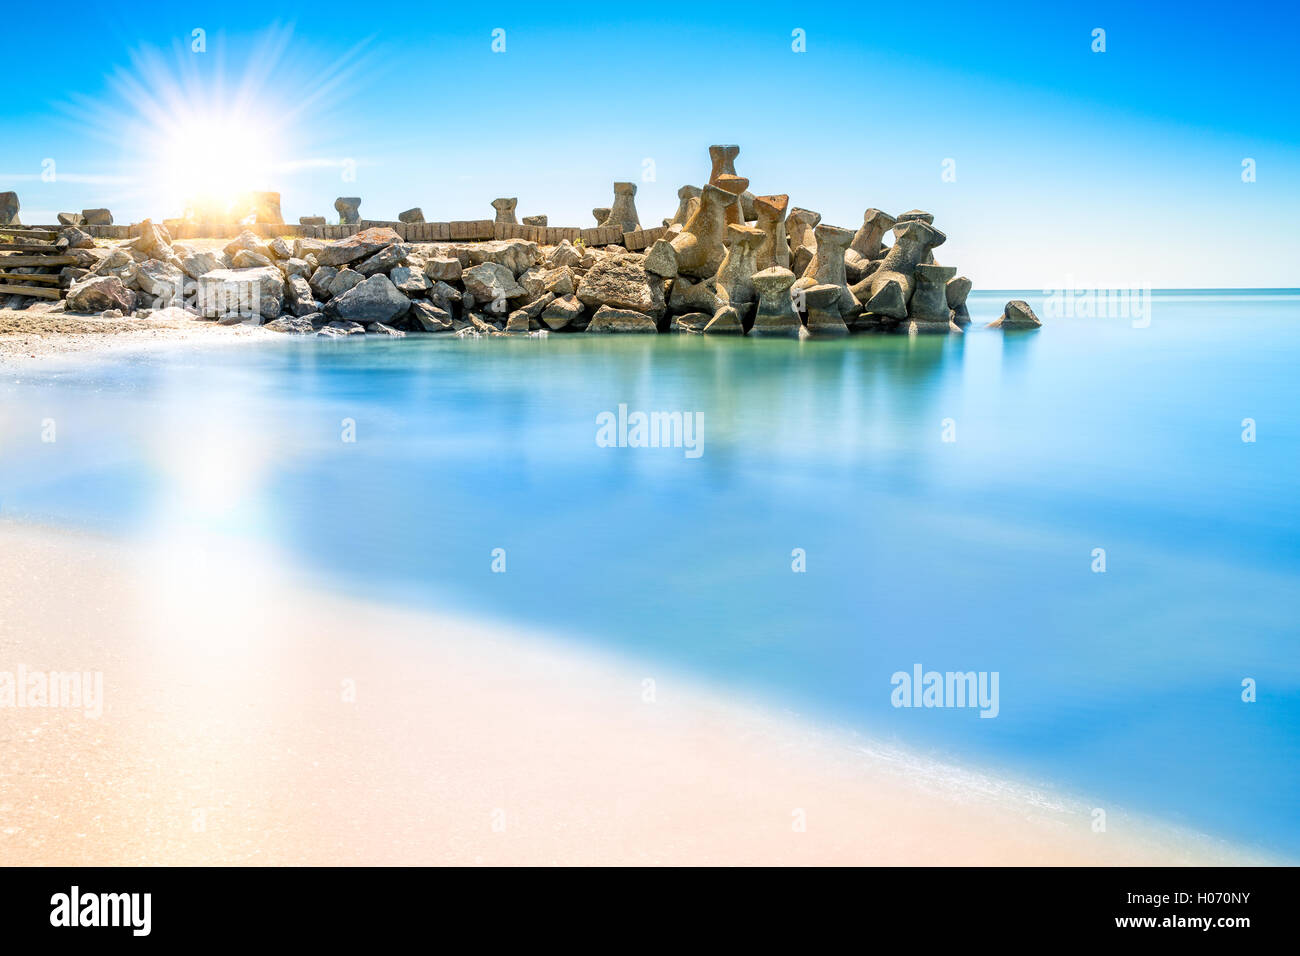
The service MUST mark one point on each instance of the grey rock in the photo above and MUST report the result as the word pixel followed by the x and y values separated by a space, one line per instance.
pixel 374 300
pixel 621 282
pixel 348 208
pixel 97 293
pixel 343 280
pixel 1016 315
pixel 415 214
pixel 609 319
pixel 297 325
pixel 378 328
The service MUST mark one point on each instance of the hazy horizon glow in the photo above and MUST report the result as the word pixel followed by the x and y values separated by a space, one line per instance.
pixel 1105 169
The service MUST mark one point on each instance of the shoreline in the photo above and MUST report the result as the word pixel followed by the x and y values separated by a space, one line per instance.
pixel 228 737
pixel 25 335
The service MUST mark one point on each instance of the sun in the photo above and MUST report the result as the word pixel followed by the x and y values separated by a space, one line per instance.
pixel 209 161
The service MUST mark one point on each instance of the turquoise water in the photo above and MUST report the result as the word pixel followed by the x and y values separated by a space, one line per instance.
pixel 974 554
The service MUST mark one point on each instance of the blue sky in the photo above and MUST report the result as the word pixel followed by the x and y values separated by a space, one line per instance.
pixel 1098 168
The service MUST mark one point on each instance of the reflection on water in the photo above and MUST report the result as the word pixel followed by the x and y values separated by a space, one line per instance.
pixel 971 554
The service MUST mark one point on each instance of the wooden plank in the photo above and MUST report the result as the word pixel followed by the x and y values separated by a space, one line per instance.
pixel 23 277
pixel 39 292
pixel 29 233
pixel 10 261
pixel 28 247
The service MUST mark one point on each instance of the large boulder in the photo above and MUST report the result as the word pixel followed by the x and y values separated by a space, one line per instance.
pixel 77 238
pixel 562 312
pixel 250 293
pixel 384 259
pixel 361 246
pixel 297 325
pixel 97 217
pixel 345 279
pixel 517 255
pixel 491 282
pixel 621 282
pixel 196 264
pixel 374 300
pixel 415 214
pixel 100 293
pixel 430 318
pixel 621 320
pixel 162 280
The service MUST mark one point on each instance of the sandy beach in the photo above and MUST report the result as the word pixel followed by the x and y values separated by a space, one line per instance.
pixel 32 334
pixel 250 719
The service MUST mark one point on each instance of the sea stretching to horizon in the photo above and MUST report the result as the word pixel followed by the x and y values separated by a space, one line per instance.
pixel 294 472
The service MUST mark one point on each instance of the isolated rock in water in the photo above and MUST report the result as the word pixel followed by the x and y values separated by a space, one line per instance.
pixel 888 290
pixel 506 210
pixel 957 291
pixel 535 220
pixel 97 217
pixel 518 255
pixel 799 226
pixel 621 282
pixel 349 209
pixel 661 260
pixel 9 206
pixel 866 246
pixel 736 273
pixel 411 215
pixel 609 319
pixel 430 317
pixel 345 280
pixel 384 260
pixel 775 314
pixel 688 200
pixel 699 246
pixel 623 213
pixel 561 312
pixel 378 328
pixel 442 267
pixel 355 248
pixel 726 321
pixel 929 306
pixel 410 281
pixel 241 292
pixel 337 330
pixel 163 281
pixel 98 293
pixel 491 284
pixel 774 250
pixel 822 303
pixel 295 325
pixel 77 238
pixel 374 300
pixel 1016 315
pixel 71 219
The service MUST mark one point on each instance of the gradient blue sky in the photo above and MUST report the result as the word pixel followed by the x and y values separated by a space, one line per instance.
pixel 1105 168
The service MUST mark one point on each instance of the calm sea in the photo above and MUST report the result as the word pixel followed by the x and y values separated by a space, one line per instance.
pixel 949 497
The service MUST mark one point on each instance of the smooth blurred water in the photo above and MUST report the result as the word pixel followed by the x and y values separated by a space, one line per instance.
pixel 975 554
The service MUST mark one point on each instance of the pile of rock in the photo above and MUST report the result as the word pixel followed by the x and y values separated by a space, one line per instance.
pixel 728 262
